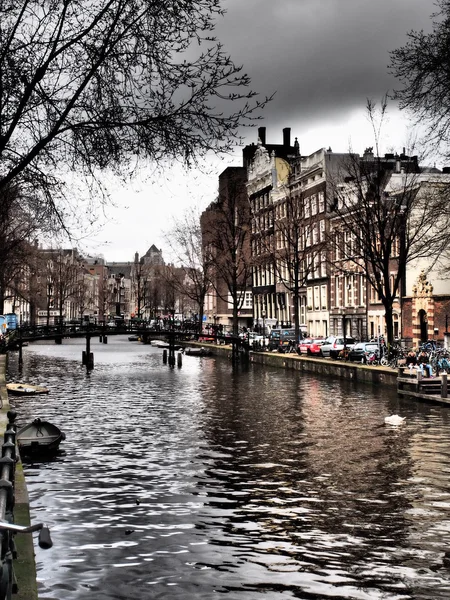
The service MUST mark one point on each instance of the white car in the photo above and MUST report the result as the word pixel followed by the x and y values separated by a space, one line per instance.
pixel 333 345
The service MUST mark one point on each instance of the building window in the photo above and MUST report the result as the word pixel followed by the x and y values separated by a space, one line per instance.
pixel 336 291
pixel 362 290
pixel 321 202
pixel 315 233
pixel 316 297
pixel 322 230
pixel 308 238
pixel 316 271
pixel 309 298
pixel 323 297
pixel 348 291
pixel 396 325
pixel 307 208
pixel 323 264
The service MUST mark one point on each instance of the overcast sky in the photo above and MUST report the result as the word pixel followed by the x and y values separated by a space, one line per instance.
pixel 322 59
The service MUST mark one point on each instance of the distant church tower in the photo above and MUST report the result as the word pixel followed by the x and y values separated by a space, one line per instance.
pixel 153 257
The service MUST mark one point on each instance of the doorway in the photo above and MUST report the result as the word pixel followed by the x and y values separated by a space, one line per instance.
pixel 423 326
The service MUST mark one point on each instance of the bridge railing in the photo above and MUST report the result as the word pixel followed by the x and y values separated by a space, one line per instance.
pixel 35 332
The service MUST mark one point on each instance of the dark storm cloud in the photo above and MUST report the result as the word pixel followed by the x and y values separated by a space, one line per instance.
pixel 323 58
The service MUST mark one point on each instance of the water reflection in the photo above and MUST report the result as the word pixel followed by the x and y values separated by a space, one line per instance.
pixel 185 483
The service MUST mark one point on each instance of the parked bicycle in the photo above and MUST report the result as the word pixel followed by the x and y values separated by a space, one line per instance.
pixel 391 355
pixel 371 358
pixel 440 361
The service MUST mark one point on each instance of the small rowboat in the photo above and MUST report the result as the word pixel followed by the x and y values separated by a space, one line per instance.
pixel 25 389
pixel 39 437
pixel 163 345
pixel 198 351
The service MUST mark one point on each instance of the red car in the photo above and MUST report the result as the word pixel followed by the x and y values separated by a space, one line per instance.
pixel 314 348
pixel 310 346
pixel 304 345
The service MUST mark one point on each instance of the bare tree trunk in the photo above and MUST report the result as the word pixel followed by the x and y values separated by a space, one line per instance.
pixel 389 320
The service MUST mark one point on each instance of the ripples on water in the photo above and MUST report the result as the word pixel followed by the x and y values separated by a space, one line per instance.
pixel 198 482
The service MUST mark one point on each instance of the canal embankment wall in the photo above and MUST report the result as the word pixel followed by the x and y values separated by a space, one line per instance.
pixel 24 565
pixel 318 366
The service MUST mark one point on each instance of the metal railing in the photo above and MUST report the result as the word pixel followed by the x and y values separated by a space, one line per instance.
pixel 8 529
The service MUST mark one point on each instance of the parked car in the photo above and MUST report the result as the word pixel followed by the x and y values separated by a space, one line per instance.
pixel 256 337
pixel 359 351
pixel 315 347
pixel 311 346
pixel 281 339
pixel 333 345
pixel 304 345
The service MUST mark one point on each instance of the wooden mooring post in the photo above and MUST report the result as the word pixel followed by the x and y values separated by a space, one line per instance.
pixel 444 389
pixel 87 357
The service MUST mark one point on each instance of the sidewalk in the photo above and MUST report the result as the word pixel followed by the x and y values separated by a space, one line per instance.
pixel 24 565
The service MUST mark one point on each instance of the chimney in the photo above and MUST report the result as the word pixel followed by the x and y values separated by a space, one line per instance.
pixel 287 136
pixel 368 154
pixel 262 135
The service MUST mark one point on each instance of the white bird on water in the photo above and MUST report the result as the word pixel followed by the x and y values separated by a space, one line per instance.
pixel 394 420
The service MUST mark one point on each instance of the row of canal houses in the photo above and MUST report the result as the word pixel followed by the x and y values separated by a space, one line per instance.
pixel 63 285
pixel 331 300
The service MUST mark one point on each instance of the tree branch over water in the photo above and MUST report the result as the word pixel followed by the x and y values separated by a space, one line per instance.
pixel 94 85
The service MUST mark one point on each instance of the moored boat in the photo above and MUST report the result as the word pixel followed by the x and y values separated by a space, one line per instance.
pixel 197 351
pixel 39 437
pixel 163 344
pixel 25 389
pixel 160 344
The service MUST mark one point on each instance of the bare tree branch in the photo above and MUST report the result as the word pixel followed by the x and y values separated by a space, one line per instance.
pixel 105 84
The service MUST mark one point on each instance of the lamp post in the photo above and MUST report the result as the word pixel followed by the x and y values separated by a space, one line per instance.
pixel 344 324
pixel 49 299
pixel 263 314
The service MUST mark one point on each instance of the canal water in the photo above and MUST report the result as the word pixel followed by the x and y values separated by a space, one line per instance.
pixel 251 484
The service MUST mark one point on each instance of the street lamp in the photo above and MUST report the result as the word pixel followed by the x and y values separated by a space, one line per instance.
pixel 263 314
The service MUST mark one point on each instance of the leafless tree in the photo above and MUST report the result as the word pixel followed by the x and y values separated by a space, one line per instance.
pixel 21 222
pixel 185 240
pixel 226 238
pixel 421 66
pixel 170 283
pixel 142 274
pixel 296 247
pixel 58 279
pixel 101 85
pixel 82 294
pixel 387 215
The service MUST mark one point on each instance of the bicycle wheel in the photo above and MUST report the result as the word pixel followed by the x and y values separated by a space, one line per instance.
pixel 384 361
